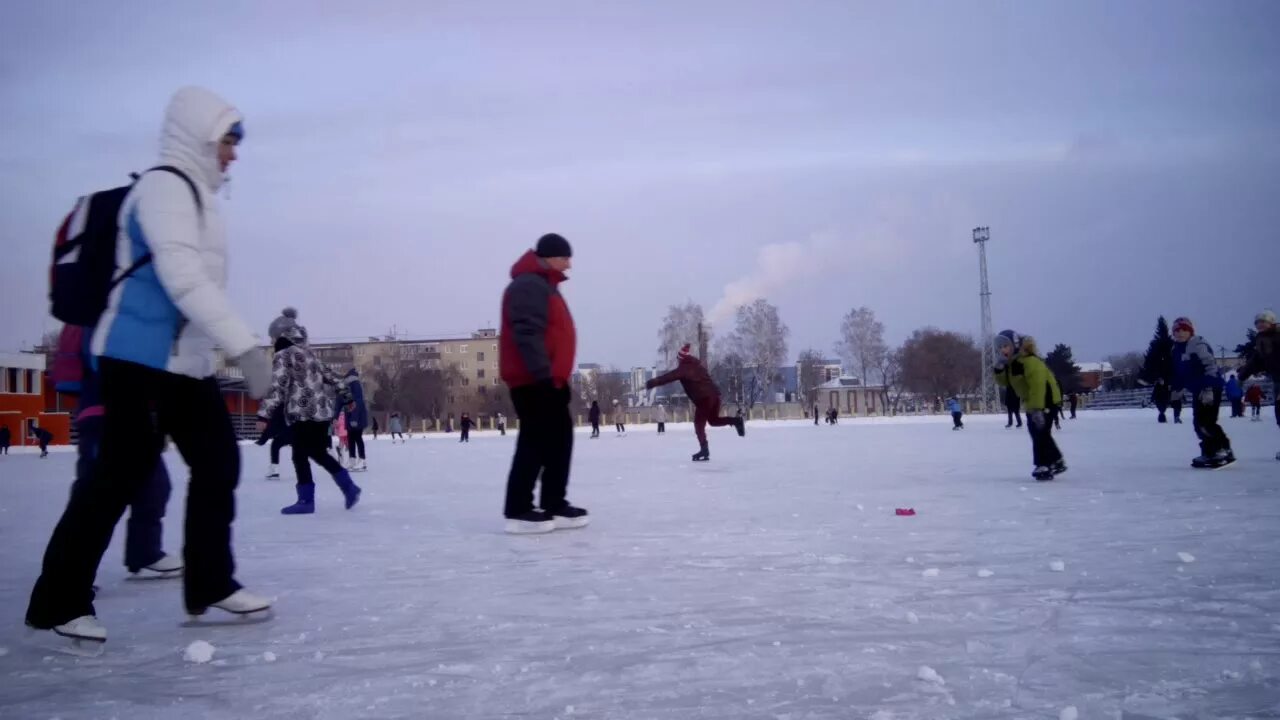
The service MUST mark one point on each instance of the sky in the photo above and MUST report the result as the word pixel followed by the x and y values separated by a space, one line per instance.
pixel 400 156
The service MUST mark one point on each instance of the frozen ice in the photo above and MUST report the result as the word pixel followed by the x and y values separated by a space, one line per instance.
pixel 1069 713
pixel 1057 566
pixel 667 606
pixel 985 573
pixel 268 656
pixel 1186 557
pixel 929 675
pixel 199 651
pixel 913 618
pixel 931 572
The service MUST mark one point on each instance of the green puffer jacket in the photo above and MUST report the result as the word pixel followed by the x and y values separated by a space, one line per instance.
pixel 1030 378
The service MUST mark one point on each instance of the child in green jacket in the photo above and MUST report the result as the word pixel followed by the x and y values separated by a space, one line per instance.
pixel 1019 367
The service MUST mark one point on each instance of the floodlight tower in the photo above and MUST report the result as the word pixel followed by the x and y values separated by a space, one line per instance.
pixel 980 237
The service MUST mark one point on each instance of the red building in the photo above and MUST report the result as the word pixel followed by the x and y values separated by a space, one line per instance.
pixel 27 401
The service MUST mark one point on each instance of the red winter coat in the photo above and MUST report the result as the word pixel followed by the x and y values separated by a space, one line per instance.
pixel 693 377
pixel 1254 395
pixel 538 339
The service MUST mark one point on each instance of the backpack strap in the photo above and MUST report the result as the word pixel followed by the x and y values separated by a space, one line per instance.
pixel 146 258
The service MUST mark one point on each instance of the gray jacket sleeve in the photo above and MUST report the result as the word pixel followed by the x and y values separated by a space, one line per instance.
pixel 1203 352
pixel 527 301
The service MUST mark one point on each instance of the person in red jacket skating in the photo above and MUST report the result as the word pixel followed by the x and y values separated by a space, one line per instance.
pixel 704 395
pixel 535 358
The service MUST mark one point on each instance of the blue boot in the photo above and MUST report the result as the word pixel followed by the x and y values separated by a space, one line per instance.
pixel 350 490
pixel 306 501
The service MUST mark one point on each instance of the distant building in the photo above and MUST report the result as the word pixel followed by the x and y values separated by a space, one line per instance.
pixel 851 397
pixel 475 357
pixel 1094 375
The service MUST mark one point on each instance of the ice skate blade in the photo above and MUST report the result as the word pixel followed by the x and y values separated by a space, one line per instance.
pixel 566 523
pixel 229 619
pixel 524 527
pixel 145 575
pixel 54 641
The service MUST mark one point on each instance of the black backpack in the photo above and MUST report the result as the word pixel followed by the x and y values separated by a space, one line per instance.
pixel 83 272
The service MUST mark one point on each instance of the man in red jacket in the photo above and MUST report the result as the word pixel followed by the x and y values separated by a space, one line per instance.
pixel 535 356
pixel 704 395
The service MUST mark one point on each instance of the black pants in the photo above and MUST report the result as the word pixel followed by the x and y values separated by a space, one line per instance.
pixel 1257 411
pixel 278 442
pixel 1014 414
pixel 621 428
pixel 1237 408
pixel 4 449
pixel 144 536
pixel 1204 418
pixel 1073 411
pixel 955 418
pixel 595 428
pixel 662 428
pixel 466 435
pixel 194 415
pixel 1177 410
pixel 355 443
pixel 1055 414
pixel 502 428
pixel 544 445
pixel 1044 451
pixel 310 441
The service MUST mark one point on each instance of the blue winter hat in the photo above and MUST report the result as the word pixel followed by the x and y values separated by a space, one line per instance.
pixel 1008 338
pixel 236 130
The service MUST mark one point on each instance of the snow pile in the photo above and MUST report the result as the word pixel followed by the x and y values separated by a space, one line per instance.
pixel 1069 713
pixel 931 572
pixel 985 573
pixel 1057 566
pixel 199 652
pixel 913 618
pixel 1186 557
pixel 268 656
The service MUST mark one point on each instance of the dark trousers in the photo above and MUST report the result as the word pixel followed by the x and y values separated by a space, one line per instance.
pixel 1237 408
pixel 662 428
pixel 707 413
pixel 1257 410
pixel 1204 418
pixel 355 443
pixel 595 428
pixel 544 446
pixel 1073 411
pixel 1044 450
pixel 194 415
pixel 620 427
pixel 466 435
pixel 310 442
pixel 144 536
pixel 502 428
pixel 1055 414
pixel 955 418
pixel 278 442
pixel 1014 414
pixel 1177 410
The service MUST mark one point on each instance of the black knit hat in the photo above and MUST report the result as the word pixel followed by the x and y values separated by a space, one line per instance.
pixel 552 245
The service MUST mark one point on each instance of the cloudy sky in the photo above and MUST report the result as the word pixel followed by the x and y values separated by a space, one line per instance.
pixel 401 155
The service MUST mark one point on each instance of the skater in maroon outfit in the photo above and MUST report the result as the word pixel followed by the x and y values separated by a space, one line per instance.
pixel 704 395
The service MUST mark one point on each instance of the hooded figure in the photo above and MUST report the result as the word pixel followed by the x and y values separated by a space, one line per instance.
pixel 181 293
pixel 155 345
pixel 357 420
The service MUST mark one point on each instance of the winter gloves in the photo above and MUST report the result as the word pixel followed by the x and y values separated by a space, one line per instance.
pixel 256 367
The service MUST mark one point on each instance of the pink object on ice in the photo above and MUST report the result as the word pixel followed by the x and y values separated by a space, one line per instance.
pixel 905 511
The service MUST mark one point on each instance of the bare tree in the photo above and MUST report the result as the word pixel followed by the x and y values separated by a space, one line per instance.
pixel 415 391
pixel 1126 369
pixel 760 339
pixel 680 327
pixel 940 363
pixel 729 371
pixel 891 377
pixel 862 342
pixel 809 376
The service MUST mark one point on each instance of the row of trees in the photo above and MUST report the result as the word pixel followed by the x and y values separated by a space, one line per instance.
pixel 931 362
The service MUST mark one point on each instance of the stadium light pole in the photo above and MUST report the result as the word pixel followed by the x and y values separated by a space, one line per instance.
pixel 980 237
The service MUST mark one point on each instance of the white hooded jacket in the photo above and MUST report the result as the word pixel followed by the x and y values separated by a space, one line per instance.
pixel 173 312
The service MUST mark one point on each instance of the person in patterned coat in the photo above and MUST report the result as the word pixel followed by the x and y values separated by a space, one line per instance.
pixel 301 384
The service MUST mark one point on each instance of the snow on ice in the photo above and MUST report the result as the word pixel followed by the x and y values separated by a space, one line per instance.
pixel 199 651
pixel 748 588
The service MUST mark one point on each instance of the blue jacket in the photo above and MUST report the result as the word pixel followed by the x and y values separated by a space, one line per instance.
pixel 357 419
pixel 1234 391
pixel 953 405
pixel 1194 367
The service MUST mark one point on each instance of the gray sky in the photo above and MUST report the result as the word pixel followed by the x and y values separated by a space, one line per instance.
pixel 399 157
